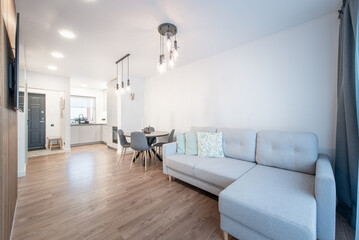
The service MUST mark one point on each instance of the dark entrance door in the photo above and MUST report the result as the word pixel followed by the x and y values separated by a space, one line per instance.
pixel 36 117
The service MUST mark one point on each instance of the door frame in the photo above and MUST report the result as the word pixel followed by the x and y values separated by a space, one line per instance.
pixel 28 120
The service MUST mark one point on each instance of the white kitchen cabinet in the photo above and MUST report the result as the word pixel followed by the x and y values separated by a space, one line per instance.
pixel 104 133
pixel 86 134
pixel 75 135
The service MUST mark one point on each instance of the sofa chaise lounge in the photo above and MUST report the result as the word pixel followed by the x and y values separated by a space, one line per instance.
pixel 271 184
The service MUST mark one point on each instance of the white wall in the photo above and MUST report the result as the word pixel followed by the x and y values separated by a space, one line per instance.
pixel 101 106
pixel 285 81
pixel 123 112
pixel 22 133
pixel 133 110
pixel 22 127
pixel 48 84
pixel 112 109
pixel 22 148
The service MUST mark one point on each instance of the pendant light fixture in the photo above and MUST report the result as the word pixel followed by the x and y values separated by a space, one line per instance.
pixel 128 87
pixel 122 83
pixel 167 33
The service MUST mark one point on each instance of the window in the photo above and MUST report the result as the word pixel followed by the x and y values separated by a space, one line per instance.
pixel 83 106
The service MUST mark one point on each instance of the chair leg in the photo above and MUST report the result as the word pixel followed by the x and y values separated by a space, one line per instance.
pixel 154 159
pixel 225 235
pixel 123 157
pixel 120 156
pixel 145 161
pixel 169 178
pixel 133 156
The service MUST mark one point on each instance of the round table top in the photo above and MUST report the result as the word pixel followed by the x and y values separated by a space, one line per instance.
pixel 151 134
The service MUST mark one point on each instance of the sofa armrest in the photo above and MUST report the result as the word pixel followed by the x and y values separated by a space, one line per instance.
pixel 168 150
pixel 325 194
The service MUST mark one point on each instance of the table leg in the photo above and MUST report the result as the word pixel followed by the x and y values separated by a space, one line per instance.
pixel 134 159
pixel 157 155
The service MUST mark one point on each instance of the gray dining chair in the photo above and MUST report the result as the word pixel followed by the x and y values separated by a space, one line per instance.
pixel 139 145
pixel 124 144
pixel 159 145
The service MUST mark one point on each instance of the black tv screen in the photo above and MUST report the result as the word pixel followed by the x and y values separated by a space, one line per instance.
pixel 16 64
pixel 14 69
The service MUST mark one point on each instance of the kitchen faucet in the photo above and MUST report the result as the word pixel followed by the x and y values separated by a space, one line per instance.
pixel 83 118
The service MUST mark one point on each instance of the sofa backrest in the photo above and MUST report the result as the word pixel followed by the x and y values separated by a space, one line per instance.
pixel 203 129
pixel 239 143
pixel 287 150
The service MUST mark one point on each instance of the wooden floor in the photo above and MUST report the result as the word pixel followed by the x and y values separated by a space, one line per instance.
pixel 85 194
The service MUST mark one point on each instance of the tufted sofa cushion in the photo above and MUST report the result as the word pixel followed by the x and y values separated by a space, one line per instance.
pixel 287 150
pixel 275 203
pixel 239 143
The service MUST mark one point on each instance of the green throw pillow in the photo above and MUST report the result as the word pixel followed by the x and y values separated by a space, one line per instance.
pixel 210 144
pixel 181 143
pixel 191 143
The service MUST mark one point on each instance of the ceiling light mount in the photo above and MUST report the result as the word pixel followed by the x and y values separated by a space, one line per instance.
pixel 166 29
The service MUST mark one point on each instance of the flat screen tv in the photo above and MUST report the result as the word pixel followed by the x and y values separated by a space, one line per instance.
pixel 14 69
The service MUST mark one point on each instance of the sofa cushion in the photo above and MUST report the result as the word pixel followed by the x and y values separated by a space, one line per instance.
pixel 239 143
pixel 287 150
pixel 183 163
pixel 277 203
pixel 191 143
pixel 210 144
pixel 181 143
pixel 203 129
pixel 221 171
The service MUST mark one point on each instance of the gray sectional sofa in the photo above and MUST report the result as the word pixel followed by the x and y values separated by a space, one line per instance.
pixel 271 184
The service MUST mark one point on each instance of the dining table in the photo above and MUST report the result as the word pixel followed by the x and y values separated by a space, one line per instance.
pixel 151 138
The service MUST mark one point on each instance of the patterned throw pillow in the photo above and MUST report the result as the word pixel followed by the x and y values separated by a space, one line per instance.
pixel 210 144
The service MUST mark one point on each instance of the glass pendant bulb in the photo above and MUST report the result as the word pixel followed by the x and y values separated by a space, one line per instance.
pixel 122 88
pixel 172 60
pixel 175 50
pixel 128 88
pixel 169 43
pixel 116 91
pixel 161 65
pixel 162 68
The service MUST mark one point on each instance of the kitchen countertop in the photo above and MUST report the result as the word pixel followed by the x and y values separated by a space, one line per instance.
pixel 87 124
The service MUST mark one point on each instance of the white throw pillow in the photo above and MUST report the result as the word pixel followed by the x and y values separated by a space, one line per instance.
pixel 210 144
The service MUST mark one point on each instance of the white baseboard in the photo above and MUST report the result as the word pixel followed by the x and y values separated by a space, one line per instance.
pixel 13 220
pixel 21 174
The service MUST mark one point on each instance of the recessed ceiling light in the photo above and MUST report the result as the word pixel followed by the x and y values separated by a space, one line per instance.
pixel 52 67
pixel 57 55
pixel 67 34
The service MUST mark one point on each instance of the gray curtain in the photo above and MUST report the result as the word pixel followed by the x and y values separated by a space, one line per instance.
pixel 347 139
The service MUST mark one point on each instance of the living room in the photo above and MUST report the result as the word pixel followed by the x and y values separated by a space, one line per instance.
pixel 179 119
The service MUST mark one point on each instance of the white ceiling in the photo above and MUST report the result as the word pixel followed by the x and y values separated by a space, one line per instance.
pixel 108 29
